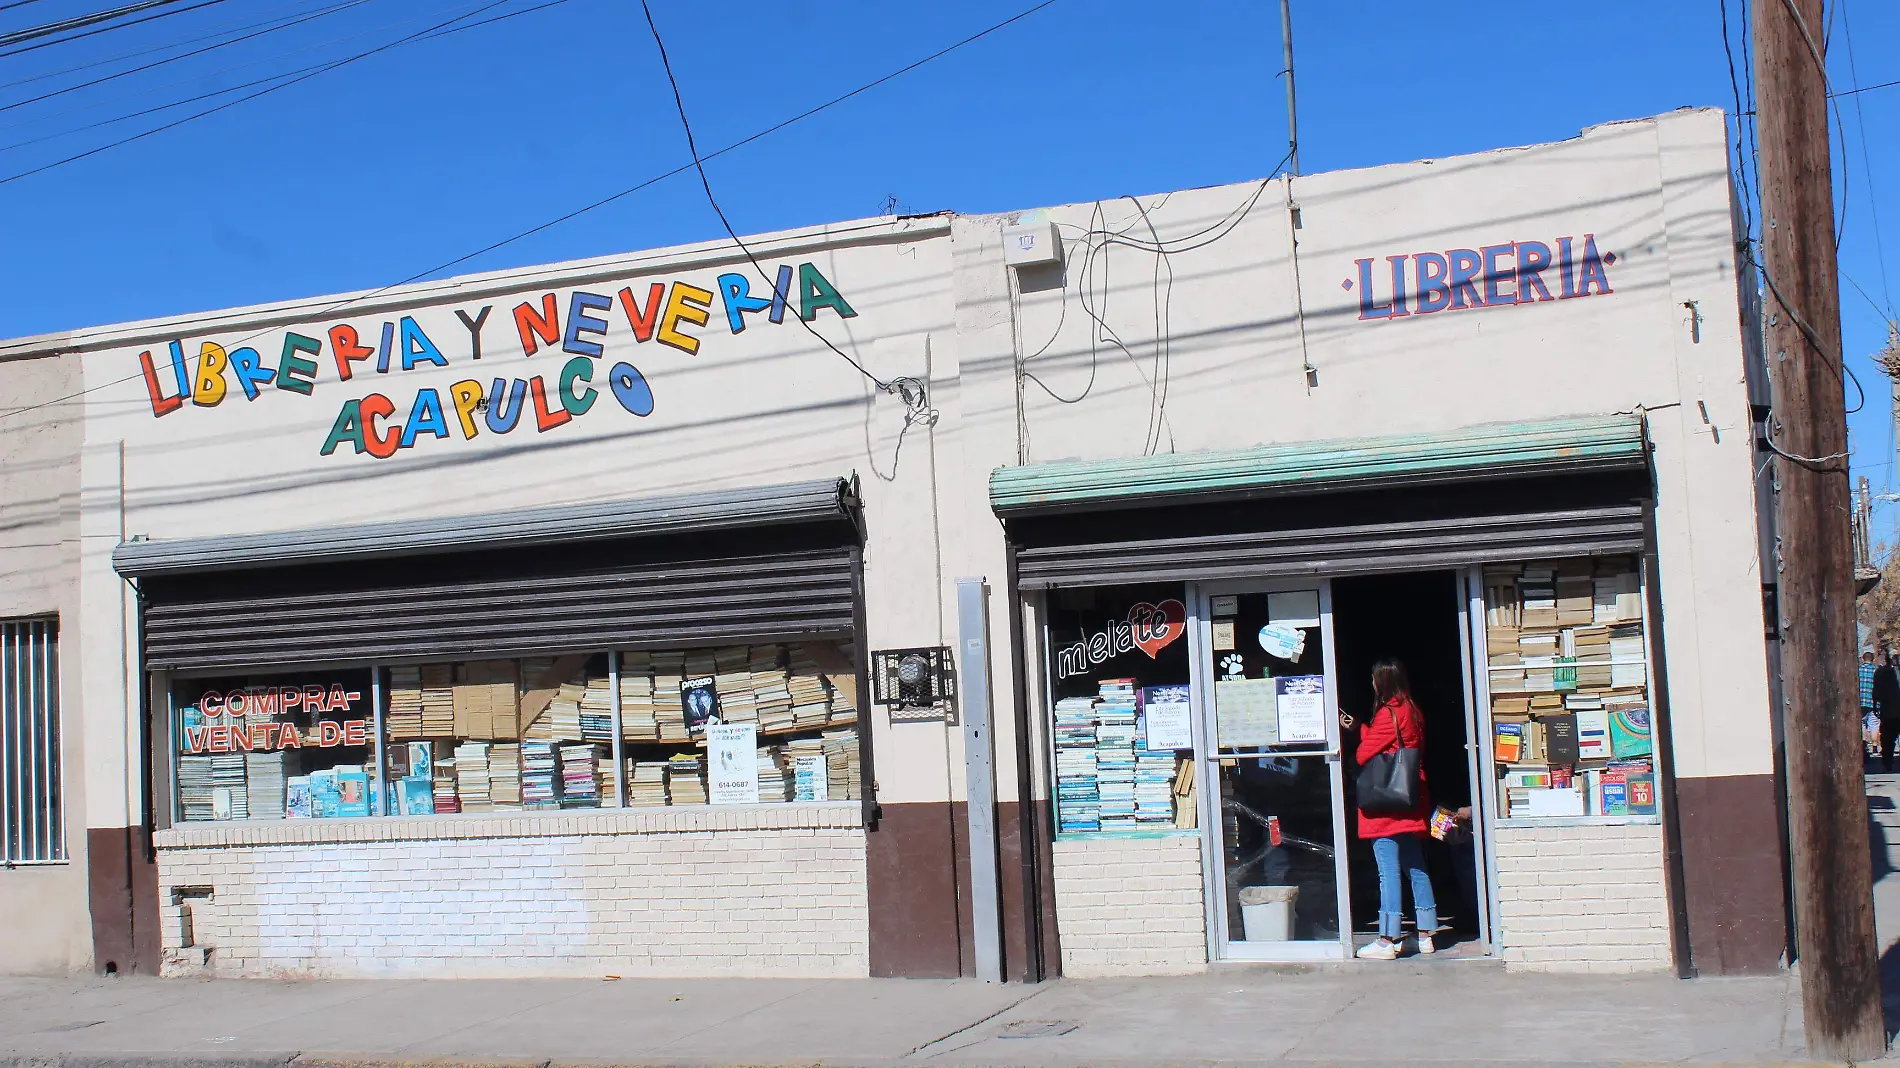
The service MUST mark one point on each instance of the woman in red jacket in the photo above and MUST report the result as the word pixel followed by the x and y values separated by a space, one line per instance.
pixel 1397 837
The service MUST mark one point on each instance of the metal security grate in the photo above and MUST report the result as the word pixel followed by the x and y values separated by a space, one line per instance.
pixel 32 824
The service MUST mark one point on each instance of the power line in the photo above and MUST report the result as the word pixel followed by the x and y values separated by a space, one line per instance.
pixel 187 55
pixel 266 80
pixel 1873 201
pixel 602 202
pixel 99 29
pixel 302 76
pixel 141 52
pixel 1867 88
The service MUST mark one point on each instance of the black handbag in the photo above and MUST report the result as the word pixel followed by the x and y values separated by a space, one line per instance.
pixel 1389 782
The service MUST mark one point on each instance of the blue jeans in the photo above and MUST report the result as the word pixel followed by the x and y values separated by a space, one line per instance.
pixel 1391 853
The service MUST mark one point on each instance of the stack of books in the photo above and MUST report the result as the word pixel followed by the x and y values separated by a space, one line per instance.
pixel 775 782
pixel 1616 594
pixel 811 780
pixel 443 788
pixel 733 678
pixel 537 775
pixel 1154 786
pixel 811 701
pixel 669 670
pixel 438 701
pixel 1078 798
pixel 1626 655
pixel 844 689
pixel 1115 753
pixel 580 783
pixel 841 763
pixel 194 787
pixel 504 775
pixel 646 783
pixel 639 721
pixel 564 712
pixel 1185 816
pixel 485 700
pixel 597 711
pixel 404 716
pixel 771 687
pixel 472 781
pixel 686 780
pixel 229 795
pixel 264 785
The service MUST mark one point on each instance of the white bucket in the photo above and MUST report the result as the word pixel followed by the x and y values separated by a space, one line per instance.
pixel 1266 912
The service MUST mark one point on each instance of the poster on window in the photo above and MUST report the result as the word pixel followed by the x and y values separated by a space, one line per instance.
pixel 732 763
pixel 1300 707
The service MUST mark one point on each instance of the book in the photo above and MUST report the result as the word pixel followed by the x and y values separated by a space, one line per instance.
pixel 1508 746
pixel 1561 742
pixel 1640 789
pixel 1629 732
pixel 297 797
pixel 1593 734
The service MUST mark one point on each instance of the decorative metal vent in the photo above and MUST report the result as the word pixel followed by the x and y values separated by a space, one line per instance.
pixel 914 684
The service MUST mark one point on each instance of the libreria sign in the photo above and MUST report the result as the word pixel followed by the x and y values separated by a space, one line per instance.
pixel 1463 279
pixel 664 313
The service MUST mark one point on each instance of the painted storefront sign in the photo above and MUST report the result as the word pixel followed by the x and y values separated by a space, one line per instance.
pixel 242 720
pixel 667 313
pixel 1491 276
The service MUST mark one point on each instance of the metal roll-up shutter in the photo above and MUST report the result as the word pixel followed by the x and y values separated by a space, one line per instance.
pixel 1517 492
pixel 783 576
pixel 1415 546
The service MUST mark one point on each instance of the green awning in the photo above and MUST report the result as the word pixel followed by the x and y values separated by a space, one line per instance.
pixel 1500 450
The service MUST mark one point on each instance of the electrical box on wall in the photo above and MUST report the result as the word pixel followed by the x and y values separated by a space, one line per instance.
pixel 1029 244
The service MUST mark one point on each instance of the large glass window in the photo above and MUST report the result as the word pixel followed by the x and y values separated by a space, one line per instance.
pixel 730 725
pixel 269 747
pixel 1120 710
pixel 1567 664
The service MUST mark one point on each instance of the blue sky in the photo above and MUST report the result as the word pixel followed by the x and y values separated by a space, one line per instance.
pixel 402 161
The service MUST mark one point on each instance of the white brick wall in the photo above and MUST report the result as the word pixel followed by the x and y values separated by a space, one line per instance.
pixel 1583 898
pixel 773 890
pixel 1130 906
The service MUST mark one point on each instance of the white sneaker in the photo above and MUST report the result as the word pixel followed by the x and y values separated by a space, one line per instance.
pixel 1425 946
pixel 1380 949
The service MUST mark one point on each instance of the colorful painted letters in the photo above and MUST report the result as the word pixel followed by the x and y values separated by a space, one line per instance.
pixel 670 313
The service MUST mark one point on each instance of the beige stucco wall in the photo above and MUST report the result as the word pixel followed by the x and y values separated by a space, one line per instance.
pixel 49 927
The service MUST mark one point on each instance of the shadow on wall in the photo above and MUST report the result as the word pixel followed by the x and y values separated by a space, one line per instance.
pixel 1879 838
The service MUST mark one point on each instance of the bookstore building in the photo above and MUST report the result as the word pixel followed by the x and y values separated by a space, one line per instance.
pixel 600 618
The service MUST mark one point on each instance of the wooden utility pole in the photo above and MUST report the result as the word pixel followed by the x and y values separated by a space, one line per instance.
pixel 1833 877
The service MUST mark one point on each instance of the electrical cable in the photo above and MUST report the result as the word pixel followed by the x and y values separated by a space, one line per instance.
pixel 96 30
pixel 584 209
pixel 315 68
pixel 301 77
pixel 1873 201
pixel 168 46
pixel 346 4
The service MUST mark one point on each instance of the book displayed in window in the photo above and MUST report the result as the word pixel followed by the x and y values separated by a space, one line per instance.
pixel 272 747
pixel 1567 666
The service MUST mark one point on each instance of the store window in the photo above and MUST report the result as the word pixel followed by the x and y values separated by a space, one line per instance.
pixel 270 747
pixel 1570 689
pixel 1120 712
pixel 756 724
pixel 759 724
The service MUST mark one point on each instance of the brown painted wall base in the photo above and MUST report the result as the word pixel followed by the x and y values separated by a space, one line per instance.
pixel 1732 874
pixel 912 891
pixel 123 893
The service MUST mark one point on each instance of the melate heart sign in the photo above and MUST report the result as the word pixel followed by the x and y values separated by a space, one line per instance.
pixel 1149 627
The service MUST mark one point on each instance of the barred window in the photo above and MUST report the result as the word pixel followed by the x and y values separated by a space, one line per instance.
pixel 32 825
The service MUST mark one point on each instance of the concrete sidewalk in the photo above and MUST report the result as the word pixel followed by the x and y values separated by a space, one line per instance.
pixel 1413 1012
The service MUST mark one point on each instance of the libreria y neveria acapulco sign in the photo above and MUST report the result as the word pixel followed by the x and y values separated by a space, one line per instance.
pixel 497 404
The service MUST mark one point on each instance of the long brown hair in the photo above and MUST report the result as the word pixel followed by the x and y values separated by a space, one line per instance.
pixel 1389 683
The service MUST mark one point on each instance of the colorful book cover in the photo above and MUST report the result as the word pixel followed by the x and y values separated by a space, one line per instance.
pixel 1629 732
pixel 1593 734
pixel 297 797
pixel 1564 675
pixel 700 699
pixel 324 801
pixel 416 796
pixel 1641 789
pixel 352 790
pixel 1615 794
pixel 1509 745
pixel 421 759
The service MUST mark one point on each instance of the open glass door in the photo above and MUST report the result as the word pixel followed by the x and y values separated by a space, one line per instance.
pixel 1273 810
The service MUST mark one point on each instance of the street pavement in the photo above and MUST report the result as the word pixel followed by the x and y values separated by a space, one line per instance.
pixel 1419 1013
